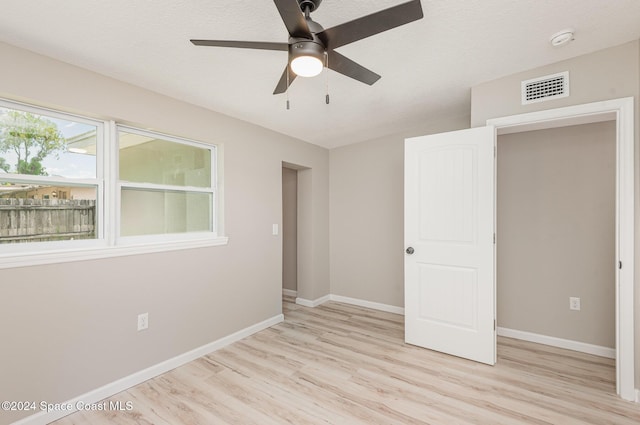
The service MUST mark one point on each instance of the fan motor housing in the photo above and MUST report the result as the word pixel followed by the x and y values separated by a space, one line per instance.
pixel 311 4
pixel 306 48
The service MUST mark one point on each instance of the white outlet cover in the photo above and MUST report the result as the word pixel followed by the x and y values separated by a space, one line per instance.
pixel 143 321
pixel 574 303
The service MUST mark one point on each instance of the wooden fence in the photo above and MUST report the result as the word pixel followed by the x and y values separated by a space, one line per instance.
pixel 31 220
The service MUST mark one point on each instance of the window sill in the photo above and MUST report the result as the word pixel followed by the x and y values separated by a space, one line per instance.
pixel 8 261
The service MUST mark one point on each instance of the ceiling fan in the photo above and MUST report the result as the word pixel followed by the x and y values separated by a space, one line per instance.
pixel 311 47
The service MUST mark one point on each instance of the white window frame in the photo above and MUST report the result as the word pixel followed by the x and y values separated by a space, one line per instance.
pixel 97 182
pixel 108 243
pixel 169 237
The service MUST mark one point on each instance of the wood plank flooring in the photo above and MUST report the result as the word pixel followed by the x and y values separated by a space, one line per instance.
pixel 341 364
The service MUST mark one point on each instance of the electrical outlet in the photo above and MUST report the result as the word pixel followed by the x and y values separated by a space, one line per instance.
pixel 143 321
pixel 574 303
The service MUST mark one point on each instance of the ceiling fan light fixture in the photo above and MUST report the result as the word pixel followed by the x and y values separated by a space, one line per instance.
pixel 306 66
pixel 311 47
pixel 307 58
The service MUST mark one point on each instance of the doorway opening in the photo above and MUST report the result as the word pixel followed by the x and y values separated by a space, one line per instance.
pixel 621 112
pixel 289 233
pixel 297 252
pixel 555 273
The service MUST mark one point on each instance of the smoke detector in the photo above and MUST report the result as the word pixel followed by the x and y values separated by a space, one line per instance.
pixel 562 37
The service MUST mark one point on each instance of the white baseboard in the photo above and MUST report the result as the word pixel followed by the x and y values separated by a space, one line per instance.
pixel 353 301
pixel 289 292
pixel 43 418
pixel 559 342
pixel 368 304
pixel 312 303
pixel 637 395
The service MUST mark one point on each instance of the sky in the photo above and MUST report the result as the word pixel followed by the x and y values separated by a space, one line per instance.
pixel 68 164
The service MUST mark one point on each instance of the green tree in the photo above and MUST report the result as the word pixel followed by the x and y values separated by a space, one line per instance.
pixel 32 138
pixel 4 165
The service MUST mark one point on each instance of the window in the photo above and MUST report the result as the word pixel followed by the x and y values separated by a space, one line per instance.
pixel 166 184
pixel 93 189
pixel 50 178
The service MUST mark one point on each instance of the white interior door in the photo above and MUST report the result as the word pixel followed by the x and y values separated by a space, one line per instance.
pixel 449 237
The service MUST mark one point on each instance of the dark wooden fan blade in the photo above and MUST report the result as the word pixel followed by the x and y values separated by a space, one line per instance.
pixel 282 84
pixel 371 24
pixel 346 66
pixel 293 18
pixel 263 45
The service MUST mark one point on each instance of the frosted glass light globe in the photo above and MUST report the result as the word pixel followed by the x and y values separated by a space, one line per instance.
pixel 306 66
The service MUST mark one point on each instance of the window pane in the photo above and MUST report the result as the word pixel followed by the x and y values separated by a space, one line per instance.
pixel 35 144
pixel 145 159
pixel 36 213
pixel 152 212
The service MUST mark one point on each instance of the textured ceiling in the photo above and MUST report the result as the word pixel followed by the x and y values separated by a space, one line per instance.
pixel 427 66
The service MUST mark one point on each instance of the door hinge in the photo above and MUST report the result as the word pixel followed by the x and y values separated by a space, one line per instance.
pixel 494 324
pixel 620 265
pixel 494 238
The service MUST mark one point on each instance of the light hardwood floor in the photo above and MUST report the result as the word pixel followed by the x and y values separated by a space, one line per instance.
pixel 340 364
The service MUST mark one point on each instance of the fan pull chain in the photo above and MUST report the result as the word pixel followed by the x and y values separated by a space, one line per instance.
pixel 326 64
pixel 287 90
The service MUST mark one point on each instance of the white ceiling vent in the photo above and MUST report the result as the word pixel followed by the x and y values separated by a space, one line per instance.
pixel 545 88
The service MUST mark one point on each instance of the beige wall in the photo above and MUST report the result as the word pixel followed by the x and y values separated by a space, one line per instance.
pixel 556 232
pixel 606 74
pixel 71 328
pixel 367 215
pixel 290 229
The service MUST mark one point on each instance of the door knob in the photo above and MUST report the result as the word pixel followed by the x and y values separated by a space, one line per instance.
pixel 410 250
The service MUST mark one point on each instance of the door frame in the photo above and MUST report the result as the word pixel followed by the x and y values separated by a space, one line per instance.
pixel 622 111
